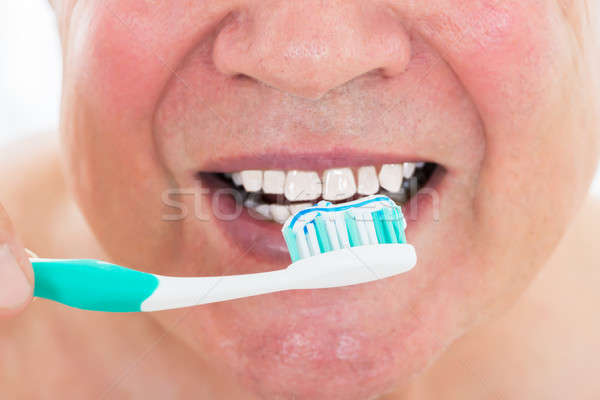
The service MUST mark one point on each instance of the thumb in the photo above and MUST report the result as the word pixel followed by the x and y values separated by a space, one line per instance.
pixel 16 274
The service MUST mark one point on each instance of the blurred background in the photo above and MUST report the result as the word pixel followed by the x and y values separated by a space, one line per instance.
pixel 30 71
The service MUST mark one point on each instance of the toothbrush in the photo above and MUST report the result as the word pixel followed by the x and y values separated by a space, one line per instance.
pixel 329 245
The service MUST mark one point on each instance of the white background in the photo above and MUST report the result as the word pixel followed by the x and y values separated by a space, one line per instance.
pixel 30 70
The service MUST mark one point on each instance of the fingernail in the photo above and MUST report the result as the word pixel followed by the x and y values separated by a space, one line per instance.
pixel 30 253
pixel 14 285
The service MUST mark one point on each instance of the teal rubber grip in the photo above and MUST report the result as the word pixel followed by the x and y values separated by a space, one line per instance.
pixel 92 285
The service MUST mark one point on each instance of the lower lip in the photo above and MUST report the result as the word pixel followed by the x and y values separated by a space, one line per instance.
pixel 262 240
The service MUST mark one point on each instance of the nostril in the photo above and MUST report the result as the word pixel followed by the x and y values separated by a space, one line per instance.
pixel 241 77
pixel 309 51
pixel 231 44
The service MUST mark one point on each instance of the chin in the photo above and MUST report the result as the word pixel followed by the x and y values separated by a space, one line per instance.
pixel 346 343
pixel 355 342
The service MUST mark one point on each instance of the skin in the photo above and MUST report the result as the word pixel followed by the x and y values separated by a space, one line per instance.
pixel 501 94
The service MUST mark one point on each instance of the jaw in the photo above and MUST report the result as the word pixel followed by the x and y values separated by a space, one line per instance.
pixel 311 344
pixel 491 234
pixel 327 343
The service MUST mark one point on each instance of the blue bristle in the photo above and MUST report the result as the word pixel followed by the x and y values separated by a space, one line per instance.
pixel 389 221
pixel 352 229
pixel 399 225
pixel 290 240
pixel 322 235
pixel 379 229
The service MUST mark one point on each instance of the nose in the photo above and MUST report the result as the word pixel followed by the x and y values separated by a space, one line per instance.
pixel 307 48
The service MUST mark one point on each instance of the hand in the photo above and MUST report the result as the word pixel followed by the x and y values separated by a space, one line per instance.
pixel 16 274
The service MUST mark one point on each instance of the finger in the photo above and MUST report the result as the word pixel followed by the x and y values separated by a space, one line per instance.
pixel 30 253
pixel 16 275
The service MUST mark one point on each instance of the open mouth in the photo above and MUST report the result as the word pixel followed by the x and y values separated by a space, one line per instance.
pixel 274 195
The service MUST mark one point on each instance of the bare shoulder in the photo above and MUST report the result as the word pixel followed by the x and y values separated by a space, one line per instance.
pixel 578 251
pixel 560 312
pixel 546 346
pixel 34 193
pixel 589 217
pixel 30 174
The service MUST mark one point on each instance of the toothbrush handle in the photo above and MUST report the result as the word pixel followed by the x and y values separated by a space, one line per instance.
pixel 92 285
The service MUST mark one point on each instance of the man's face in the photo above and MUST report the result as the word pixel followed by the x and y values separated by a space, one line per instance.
pixel 498 95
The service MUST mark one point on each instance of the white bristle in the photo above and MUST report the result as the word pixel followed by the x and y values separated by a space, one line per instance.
pixel 340 225
pixel 313 242
pixel 362 217
pixel 333 236
pixel 364 222
pixel 370 226
pixel 302 245
pixel 362 230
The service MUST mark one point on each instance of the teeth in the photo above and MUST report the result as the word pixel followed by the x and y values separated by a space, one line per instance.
pixel 302 186
pixel 273 182
pixel 251 202
pixel 338 184
pixel 252 180
pixel 255 206
pixel 236 177
pixel 294 208
pixel 390 177
pixel 408 169
pixel 368 183
pixel 279 213
pixel 263 210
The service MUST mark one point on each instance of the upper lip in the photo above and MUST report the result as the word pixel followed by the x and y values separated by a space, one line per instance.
pixel 317 160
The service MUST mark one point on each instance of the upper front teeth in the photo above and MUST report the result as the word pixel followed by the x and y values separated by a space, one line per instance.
pixel 273 182
pixel 368 183
pixel 335 184
pixel 237 178
pixel 252 180
pixel 390 177
pixel 408 169
pixel 338 184
pixel 302 186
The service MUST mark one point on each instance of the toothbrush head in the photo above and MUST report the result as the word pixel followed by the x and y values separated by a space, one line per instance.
pixel 325 227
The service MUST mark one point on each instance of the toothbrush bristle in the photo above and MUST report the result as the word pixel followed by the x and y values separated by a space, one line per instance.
pixel 326 227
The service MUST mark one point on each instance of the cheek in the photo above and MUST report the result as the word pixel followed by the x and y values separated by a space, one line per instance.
pixel 116 65
pixel 518 61
pixel 125 52
pixel 115 52
pixel 515 60
pixel 507 53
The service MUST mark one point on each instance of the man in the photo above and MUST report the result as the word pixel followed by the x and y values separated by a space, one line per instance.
pixel 481 117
